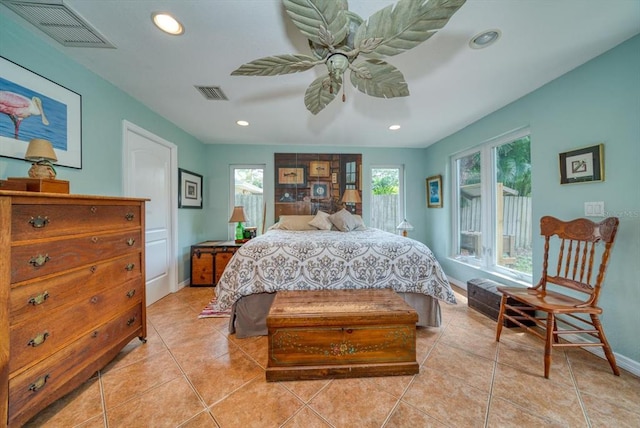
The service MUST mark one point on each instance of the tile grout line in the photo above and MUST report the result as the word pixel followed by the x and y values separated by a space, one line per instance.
pixel 575 385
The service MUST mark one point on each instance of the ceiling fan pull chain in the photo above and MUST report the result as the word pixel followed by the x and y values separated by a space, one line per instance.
pixel 344 97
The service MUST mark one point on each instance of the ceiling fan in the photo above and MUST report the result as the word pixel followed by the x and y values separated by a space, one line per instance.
pixel 337 37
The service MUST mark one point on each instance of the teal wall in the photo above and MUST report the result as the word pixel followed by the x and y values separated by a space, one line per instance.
pixel 598 102
pixel 103 109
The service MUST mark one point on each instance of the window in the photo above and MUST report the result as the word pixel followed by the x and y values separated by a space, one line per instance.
pixel 387 197
pixel 492 188
pixel 247 183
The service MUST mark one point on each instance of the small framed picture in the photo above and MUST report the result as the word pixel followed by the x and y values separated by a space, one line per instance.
pixel 190 191
pixel 291 176
pixel 320 190
pixel 319 168
pixel 434 191
pixel 582 165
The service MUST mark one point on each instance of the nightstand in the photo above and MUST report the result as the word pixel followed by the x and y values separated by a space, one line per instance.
pixel 208 260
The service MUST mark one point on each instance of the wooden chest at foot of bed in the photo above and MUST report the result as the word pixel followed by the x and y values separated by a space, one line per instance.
pixel 483 296
pixel 340 333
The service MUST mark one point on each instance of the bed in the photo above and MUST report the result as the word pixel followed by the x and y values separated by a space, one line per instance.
pixel 295 255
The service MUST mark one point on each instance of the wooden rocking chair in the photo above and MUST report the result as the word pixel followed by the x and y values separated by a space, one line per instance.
pixel 577 254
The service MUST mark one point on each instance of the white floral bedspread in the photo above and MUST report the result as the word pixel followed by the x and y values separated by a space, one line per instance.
pixel 317 260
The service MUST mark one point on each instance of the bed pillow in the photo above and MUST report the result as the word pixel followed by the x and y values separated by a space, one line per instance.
pixel 343 220
pixel 359 222
pixel 294 222
pixel 321 221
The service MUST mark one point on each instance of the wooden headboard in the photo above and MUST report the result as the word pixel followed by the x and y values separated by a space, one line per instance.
pixel 306 183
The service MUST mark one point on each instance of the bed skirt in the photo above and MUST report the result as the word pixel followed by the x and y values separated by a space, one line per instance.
pixel 249 314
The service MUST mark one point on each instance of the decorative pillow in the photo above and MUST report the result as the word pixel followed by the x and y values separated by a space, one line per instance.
pixel 343 220
pixel 294 222
pixel 321 221
pixel 359 222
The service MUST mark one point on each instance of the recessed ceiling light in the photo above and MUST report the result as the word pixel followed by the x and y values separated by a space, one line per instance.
pixel 242 123
pixel 167 23
pixel 394 127
pixel 484 39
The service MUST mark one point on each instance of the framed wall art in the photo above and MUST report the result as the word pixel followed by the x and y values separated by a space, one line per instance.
pixel 190 191
pixel 36 107
pixel 434 191
pixel 320 190
pixel 319 168
pixel 582 165
pixel 291 176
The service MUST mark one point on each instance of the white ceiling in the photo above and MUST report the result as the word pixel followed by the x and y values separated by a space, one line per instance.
pixel 451 85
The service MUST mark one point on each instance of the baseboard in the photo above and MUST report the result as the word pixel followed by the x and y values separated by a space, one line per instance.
pixel 623 362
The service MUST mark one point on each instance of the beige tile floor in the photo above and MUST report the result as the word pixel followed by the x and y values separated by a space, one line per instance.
pixel 192 373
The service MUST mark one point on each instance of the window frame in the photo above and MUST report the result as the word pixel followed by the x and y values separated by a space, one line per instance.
pixel 488 175
pixel 402 207
pixel 232 191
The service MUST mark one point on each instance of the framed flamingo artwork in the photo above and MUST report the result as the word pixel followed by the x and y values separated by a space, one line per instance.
pixel 32 106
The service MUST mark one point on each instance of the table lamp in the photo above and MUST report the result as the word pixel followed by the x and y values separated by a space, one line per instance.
pixel 405 227
pixel 351 197
pixel 41 153
pixel 238 216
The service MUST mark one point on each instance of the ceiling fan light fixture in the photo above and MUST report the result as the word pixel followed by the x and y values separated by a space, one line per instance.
pixel 484 39
pixel 167 23
pixel 394 127
pixel 242 123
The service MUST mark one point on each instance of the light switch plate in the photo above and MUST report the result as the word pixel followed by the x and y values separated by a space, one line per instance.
pixel 594 209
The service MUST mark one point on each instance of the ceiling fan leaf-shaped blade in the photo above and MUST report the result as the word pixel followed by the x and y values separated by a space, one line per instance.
pixel 275 65
pixel 312 15
pixel 385 80
pixel 405 25
pixel 319 95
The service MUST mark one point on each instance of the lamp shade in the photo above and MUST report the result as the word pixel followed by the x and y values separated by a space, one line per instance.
pixel 39 150
pixel 351 196
pixel 405 225
pixel 238 215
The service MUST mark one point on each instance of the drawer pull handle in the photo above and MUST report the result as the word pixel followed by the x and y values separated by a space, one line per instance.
pixel 93 269
pixel 93 209
pixel 94 239
pixel 94 334
pixel 38 340
pixel 39 383
pixel 39 260
pixel 131 321
pixel 349 330
pixel 129 216
pixel 39 222
pixel 131 293
pixel 94 300
pixel 39 299
pixel 130 242
pixel 130 267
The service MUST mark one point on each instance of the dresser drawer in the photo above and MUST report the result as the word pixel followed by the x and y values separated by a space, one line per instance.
pixel 40 297
pixel 49 220
pixel 32 388
pixel 53 256
pixel 31 341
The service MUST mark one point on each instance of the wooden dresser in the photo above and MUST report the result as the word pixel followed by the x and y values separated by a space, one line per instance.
pixel 72 293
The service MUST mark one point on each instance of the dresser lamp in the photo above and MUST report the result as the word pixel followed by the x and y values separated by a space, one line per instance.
pixel 238 216
pixel 41 153
pixel 405 227
pixel 351 197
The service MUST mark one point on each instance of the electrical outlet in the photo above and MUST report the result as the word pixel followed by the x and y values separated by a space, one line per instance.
pixel 594 209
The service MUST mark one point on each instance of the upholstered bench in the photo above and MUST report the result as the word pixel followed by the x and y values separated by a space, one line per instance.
pixel 483 296
pixel 340 333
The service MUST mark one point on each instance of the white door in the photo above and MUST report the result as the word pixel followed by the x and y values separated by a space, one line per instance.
pixel 150 171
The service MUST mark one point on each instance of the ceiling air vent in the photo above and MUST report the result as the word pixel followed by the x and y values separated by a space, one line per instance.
pixel 58 21
pixel 212 93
